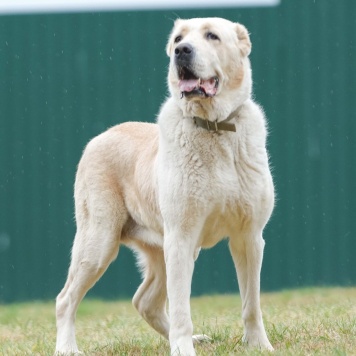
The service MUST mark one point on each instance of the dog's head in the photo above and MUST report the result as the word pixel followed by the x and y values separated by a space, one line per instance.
pixel 209 69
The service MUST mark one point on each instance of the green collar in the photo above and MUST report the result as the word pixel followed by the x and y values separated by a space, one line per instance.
pixel 217 126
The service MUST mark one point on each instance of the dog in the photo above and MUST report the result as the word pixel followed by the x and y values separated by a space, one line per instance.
pixel 166 190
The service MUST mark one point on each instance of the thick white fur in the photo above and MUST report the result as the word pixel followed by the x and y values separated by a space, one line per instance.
pixel 168 189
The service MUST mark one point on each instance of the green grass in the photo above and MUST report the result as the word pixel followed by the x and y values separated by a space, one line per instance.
pixel 300 322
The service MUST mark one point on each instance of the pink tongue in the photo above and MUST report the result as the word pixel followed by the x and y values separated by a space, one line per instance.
pixel 191 84
pixel 188 85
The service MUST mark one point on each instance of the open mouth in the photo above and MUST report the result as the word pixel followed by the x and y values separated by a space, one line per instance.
pixel 190 85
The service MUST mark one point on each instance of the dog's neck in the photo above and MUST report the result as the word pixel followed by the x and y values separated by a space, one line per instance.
pixel 214 114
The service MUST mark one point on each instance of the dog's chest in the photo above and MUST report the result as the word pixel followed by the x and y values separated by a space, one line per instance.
pixel 225 193
pixel 221 192
pixel 217 181
pixel 209 168
pixel 218 174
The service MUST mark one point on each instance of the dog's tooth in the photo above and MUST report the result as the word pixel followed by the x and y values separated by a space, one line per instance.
pixel 216 82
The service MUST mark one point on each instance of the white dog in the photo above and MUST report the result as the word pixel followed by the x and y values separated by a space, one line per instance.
pixel 168 189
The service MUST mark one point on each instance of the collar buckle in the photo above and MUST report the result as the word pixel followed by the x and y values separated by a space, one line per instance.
pixel 209 125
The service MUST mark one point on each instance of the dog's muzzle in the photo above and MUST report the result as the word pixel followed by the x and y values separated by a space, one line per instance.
pixel 190 84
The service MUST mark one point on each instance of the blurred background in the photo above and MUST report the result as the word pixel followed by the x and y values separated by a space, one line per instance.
pixel 67 76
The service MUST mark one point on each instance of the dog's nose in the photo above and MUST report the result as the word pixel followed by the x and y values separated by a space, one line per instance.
pixel 184 52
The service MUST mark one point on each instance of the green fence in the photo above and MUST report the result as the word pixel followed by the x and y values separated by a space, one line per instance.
pixel 64 78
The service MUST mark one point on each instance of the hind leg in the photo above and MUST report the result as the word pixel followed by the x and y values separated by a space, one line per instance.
pixel 151 297
pixel 92 253
pixel 95 246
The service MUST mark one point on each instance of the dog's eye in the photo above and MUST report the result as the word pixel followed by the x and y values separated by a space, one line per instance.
pixel 212 36
pixel 178 39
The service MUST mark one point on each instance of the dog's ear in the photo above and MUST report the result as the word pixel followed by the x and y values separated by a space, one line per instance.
pixel 170 44
pixel 244 39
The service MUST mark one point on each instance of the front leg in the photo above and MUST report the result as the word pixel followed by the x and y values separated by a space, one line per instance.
pixel 247 253
pixel 179 250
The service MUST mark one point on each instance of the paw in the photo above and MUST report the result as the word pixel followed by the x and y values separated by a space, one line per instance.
pixel 68 352
pixel 260 342
pixel 182 351
pixel 197 339
pixel 183 347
